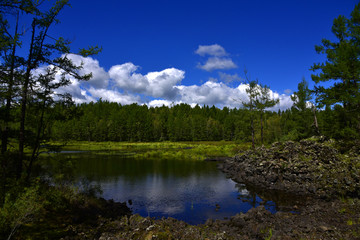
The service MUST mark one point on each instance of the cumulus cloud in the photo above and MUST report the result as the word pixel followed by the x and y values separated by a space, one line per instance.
pixel 123 84
pixel 285 102
pixel 212 50
pixel 100 78
pixel 73 88
pixel 217 58
pixel 229 78
pixel 114 96
pixel 159 103
pixel 78 90
pixel 162 84
pixel 221 95
pixel 126 78
pixel 156 84
pixel 212 93
pixel 215 63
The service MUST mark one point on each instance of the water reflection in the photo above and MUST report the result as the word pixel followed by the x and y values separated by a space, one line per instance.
pixel 193 191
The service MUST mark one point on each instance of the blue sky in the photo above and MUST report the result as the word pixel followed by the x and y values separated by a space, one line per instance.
pixel 196 51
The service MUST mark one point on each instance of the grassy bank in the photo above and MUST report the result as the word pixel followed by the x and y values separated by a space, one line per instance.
pixel 168 150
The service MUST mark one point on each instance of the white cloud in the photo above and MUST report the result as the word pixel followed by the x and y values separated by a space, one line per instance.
pixel 159 103
pixel 212 93
pixel 78 90
pixel 114 96
pixel 156 88
pixel 162 84
pixel 287 91
pixel 214 63
pixel 100 78
pixel 212 50
pixel 156 84
pixel 217 58
pixel 228 78
pixel 126 78
pixel 211 79
pixel 74 87
pixel 285 102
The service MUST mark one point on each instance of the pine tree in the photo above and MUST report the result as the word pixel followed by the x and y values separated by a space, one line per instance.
pixel 43 50
pixel 342 70
pixel 264 101
pixel 253 93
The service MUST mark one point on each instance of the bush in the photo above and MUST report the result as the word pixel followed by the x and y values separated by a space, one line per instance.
pixel 18 211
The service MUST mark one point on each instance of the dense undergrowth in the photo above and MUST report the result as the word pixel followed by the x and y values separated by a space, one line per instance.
pixel 49 211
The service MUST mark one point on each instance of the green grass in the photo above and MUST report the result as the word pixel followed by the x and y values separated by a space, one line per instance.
pixel 170 150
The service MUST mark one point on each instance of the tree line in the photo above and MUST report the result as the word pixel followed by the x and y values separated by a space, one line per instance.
pixel 109 121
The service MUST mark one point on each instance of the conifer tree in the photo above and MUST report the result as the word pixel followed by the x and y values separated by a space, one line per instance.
pixel 264 101
pixel 341 70
pixel 43 50
pixel 253 93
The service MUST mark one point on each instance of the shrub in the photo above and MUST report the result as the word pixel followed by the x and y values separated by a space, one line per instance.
pixel 18 211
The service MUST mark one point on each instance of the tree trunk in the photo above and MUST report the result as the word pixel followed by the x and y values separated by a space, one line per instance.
pixel 317 132
pixel 262 129
pixel 37 141
pixel 5 131
pixel 24 94
pixel 252 133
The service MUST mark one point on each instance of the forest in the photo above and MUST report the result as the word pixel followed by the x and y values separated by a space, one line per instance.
pixel 32 116
pixel 105 121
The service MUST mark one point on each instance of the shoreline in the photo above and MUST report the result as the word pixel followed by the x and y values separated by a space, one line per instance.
pixel 321 210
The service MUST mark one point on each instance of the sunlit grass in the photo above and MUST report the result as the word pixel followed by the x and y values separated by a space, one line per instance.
pixel 170 150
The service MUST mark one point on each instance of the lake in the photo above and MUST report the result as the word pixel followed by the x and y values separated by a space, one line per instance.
pixel 192 191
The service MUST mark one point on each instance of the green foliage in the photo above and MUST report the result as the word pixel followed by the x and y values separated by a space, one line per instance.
pixel 92 50
pixel 302 96
pixel 27 95
pixel 342 71
pixel 20 209
pixel 270 235
pixel 302 113
pixel 106 121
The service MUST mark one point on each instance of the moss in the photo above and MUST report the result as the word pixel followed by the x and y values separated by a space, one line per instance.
pixel 305 158
pixel 163 235
pixel 342 210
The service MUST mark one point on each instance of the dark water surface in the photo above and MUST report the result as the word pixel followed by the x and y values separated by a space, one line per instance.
pixel 193 191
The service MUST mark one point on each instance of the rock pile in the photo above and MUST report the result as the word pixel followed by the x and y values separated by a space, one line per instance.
pixel 321 220
pixel 302 168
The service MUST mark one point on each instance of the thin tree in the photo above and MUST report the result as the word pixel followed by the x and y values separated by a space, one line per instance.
pixel 262 102
pixel 253 93
pixel 8 47
pixel 302 100
pixel 42 50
